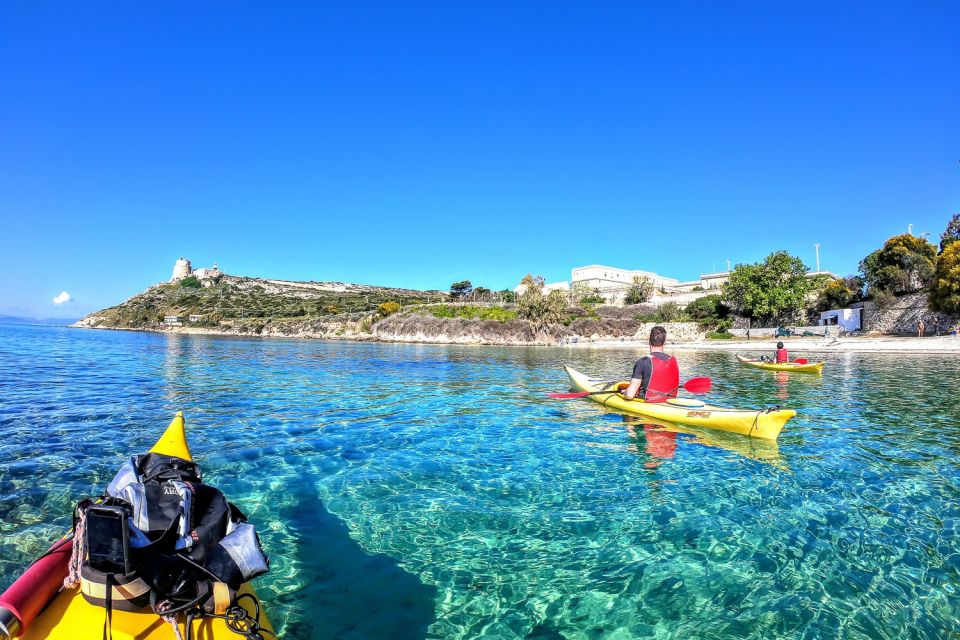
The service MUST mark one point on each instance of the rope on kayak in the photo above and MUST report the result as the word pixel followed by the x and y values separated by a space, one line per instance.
pixel 164 611
pixel 72 581
pixel 756 418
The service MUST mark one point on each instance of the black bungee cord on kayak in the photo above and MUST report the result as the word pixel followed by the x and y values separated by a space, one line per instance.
pixel 238 620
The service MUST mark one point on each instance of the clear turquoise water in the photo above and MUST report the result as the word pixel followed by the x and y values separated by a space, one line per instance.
pixel 434 492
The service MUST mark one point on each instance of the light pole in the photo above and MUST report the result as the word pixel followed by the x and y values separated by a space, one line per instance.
pixel 817 247
pixel 910 229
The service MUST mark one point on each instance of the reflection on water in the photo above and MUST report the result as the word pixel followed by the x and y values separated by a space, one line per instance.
pixel 783 379
pixel 422 491
pixel 661 441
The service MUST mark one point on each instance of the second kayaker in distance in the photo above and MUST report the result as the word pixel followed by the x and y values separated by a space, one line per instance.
pixel 780 356
pixel 656 377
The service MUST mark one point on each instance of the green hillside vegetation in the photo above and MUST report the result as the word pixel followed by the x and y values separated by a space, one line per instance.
pixel 234 300
pixel 472 312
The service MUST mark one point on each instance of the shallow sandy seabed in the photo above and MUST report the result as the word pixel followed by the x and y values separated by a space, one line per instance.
pixel 864 344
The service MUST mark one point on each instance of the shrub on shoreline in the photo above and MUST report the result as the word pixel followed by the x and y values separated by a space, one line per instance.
pixel 472 312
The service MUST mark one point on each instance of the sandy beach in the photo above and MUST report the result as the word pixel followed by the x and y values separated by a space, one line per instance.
pixel 861 344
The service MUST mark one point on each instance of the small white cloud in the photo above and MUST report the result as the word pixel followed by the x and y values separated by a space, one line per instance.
pixel 63 297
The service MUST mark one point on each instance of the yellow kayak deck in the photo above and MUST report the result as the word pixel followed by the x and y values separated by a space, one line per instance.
pixel 70 617
pixel 756 423
pixel 810 367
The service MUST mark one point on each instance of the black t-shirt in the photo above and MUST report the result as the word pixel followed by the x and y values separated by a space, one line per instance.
pixel 643 369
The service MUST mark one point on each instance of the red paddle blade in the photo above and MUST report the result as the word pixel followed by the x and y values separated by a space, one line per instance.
pixel 801 361
pixel 698 385
pixel 564 396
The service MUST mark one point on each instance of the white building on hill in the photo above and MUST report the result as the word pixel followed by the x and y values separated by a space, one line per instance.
pixel 600 277
pixel 547 288
pixel 207 272
pixel 183 269
pixel 614 282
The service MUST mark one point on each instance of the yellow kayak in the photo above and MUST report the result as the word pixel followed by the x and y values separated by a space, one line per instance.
pixel 810 367
pixel 70 617
pixel 757 423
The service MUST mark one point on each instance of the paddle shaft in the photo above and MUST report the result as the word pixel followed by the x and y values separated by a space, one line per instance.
pixel 693 385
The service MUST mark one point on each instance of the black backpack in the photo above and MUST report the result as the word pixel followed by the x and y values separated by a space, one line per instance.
pixel 163 539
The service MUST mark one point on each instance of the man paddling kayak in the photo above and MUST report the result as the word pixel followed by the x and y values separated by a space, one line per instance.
pixel 656 377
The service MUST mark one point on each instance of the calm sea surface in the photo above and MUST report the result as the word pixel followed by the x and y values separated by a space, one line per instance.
pixel 434 492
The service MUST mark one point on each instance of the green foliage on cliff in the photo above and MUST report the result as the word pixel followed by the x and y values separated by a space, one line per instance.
pixel 583 294
pixel 839 293
pixel 472 312
pixel 388 308
pixel 951 234
pixel 461 289
pixel 541 310
pixel 904 264
pixel 945 288
pixel 769 290
pixel 707 311
pixel 640 291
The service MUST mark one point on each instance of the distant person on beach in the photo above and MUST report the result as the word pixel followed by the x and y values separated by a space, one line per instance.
pixel 920 328
pixel 656 377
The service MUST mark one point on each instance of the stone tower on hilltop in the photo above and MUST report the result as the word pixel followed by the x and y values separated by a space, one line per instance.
pixel 181 269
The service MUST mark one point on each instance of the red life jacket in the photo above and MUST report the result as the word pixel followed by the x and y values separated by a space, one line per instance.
pixel 782 355
pixel 664 379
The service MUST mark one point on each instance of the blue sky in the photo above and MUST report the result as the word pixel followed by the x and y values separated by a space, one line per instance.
pixel 418 144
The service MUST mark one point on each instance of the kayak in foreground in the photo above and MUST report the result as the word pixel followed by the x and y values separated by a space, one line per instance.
pixel 756 423
pixel 70 616
pixel 810 367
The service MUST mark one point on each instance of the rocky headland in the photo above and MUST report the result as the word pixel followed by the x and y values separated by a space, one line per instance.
pixel 242 306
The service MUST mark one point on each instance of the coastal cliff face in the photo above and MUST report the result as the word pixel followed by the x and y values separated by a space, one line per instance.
pixel 422 328
pixel 231 305
pixel 902 314
pixel 236 305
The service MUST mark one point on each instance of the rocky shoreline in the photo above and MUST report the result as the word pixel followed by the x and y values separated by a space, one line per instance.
pixel 236 306
pixel 422 331
pixel 475 335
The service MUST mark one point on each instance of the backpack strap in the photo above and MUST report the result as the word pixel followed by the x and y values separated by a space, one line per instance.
pixel 222 598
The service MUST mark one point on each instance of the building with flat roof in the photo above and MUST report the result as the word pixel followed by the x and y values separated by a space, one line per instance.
pixel 601 277
pixel 207 272
pixel 614 282
pixel 547 288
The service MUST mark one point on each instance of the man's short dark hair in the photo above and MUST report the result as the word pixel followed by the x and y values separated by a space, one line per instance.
pixel 658 336
pixel 779 345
